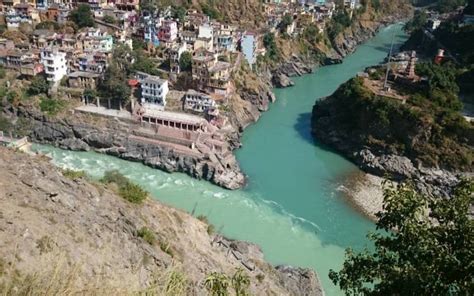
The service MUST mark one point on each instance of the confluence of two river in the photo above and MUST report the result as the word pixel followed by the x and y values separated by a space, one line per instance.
pixel 292 207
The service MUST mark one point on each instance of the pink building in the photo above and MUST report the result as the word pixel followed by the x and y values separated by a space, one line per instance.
pixel 168 31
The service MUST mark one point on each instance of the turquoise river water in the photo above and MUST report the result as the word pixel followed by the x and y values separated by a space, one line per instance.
pixel 292 206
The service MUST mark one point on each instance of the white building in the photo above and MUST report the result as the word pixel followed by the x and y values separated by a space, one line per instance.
pixel 55 65
pixel 198 102
pixel 153 91
pixel 206 31
pixel 249 47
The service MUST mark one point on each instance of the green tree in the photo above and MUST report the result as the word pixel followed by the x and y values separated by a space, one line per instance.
pixel 143 63
pixel 122 57
pixel 114 86
pixel 449 5
pixel 38 85
pixel 417 22
pixel 185 61
pixel 426 247
pixel 440 77
pixel 109 19
pixel 211 11
pixel 179 13
pixel 82 16
pixel 241 282
pixel 89 95
pixel 285 22
pixel 217 284
pixel 270 45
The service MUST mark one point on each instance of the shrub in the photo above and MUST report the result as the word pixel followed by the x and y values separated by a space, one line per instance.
pixel 260 277
pixel 165 247
pixel 211 229
pixel 176 284
pixel 217 284
pixel 114 176
pixel 240 282
pixel 147 235
pixel 51 106
pixel 203 218
pixel 13 97
pixel 82 16
pixel 133 193
pixel 73 175
pixel 109 19
pixel 126 189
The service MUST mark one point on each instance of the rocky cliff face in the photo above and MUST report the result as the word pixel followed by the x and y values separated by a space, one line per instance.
pixel 127 141
pixel 49 221
pixel 387 139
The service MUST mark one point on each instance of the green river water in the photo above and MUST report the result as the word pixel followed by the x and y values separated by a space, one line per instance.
pixel 292 206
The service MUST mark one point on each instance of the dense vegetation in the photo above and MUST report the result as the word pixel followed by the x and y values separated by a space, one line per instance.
pixel 427 129
pixel 459 40
pixel 82 16
pixel 417 251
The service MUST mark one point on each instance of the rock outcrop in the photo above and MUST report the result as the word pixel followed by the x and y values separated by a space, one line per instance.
pixel 89 237
pixel 128 141
pixel 391 139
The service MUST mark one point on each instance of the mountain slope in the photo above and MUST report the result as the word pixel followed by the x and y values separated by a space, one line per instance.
pixel 100 241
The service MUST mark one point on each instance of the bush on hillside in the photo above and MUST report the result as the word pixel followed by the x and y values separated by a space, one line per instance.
pixel 147 235
pixel 126 189
pixel 51 106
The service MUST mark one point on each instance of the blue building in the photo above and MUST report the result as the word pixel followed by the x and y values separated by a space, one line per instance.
pixel 249 47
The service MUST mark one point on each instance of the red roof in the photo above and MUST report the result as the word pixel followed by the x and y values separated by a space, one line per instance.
pixel 133 82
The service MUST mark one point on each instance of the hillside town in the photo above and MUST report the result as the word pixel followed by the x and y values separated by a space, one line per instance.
pixel 167 69
pixel 76 56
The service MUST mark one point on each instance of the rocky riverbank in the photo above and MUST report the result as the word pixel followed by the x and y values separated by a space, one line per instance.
pixel 390 139
pixel 344 44
pixel 93 241
pixel 127 140
pixel 365 192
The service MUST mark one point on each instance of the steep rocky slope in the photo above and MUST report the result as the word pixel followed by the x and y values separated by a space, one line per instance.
pixel 124 139
pixel 402 141
pixel 87 236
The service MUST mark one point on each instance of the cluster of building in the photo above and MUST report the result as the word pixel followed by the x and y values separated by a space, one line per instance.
pixel 79 60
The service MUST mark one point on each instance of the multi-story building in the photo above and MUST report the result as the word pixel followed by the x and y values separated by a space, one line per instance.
pixel 188 37
pixel 54 63
pixel 94 40
pixel 198 102
pixel 219 78
pixel 93 63
pixel 210 74
pixel 202 61
pixel 168 31
pixel 175 52
pixel 206 31
pixel 153 91
pixel 225 43
pixel 249 47
pixel 83 80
